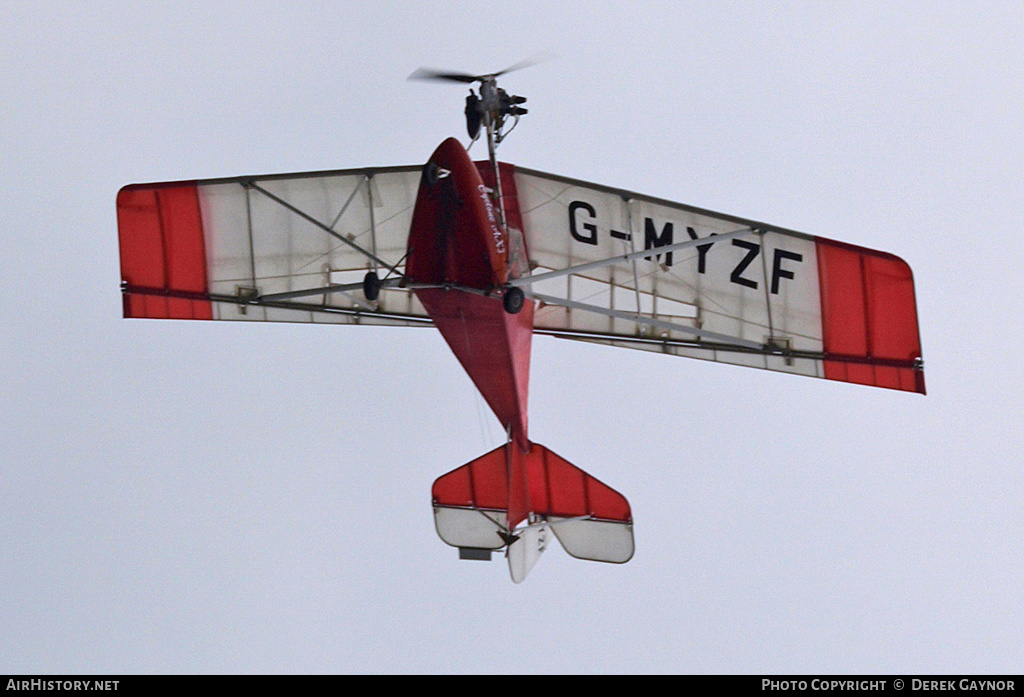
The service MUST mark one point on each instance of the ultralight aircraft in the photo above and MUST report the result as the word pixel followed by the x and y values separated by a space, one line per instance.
pixel 490 254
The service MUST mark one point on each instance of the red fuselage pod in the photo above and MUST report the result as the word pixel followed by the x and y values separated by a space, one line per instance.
pixel 457 240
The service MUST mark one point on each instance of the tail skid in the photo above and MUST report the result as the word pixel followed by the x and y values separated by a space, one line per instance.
pixel 517 500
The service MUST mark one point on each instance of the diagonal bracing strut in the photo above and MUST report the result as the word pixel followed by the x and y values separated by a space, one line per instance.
pixel 305 216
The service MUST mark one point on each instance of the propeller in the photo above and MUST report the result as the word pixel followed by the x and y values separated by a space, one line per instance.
pixel 492 105
pixel 449 76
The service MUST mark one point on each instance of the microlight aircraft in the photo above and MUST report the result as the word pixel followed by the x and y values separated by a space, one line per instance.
pixel 490 254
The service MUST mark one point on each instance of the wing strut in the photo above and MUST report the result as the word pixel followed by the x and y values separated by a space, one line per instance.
pixel 651 321
pixel 327 290
pixel 305 216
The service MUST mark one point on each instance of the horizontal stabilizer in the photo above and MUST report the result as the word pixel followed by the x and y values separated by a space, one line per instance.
pixel 470 503
pixel 590 519
pixel 480 505
pixel 596 540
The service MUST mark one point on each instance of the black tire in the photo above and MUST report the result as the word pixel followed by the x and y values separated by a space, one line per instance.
pixel 513 300
pixel 371 286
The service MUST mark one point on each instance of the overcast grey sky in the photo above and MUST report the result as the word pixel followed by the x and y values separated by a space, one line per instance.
pixel 209 497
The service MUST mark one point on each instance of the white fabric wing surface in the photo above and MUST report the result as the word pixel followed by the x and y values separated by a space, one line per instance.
pixel 218 243
pixel 757 288
pixel 260 243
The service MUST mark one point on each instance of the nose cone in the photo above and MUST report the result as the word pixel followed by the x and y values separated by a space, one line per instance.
pixel 455 235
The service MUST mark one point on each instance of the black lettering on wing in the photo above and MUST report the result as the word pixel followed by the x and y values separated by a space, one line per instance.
pixel 589 227
pixel 753 249
pixel 702 249
pixel 653 239
pixel 778 272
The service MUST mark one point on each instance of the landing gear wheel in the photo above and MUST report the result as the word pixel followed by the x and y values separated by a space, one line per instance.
pixel 371 286
pixel 431 173
pixel 513 300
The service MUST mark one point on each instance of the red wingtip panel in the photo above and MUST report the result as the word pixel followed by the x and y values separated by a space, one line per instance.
pixel 160 230
pixel 869 317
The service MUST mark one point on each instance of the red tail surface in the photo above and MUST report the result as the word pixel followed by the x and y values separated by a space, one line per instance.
pixel 481 505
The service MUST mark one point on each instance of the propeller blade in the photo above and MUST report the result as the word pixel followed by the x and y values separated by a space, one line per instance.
pixel 432 74
pixel 528 63
pixel 449 76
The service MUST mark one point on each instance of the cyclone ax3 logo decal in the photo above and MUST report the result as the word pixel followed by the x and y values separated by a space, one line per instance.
pixel 499 239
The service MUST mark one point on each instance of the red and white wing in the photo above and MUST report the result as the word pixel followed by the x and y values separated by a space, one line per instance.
pixel 730 290
pixel 289 248
pixel 296 247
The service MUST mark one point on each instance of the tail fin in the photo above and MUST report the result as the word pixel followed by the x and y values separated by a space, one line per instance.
pixel 480 506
